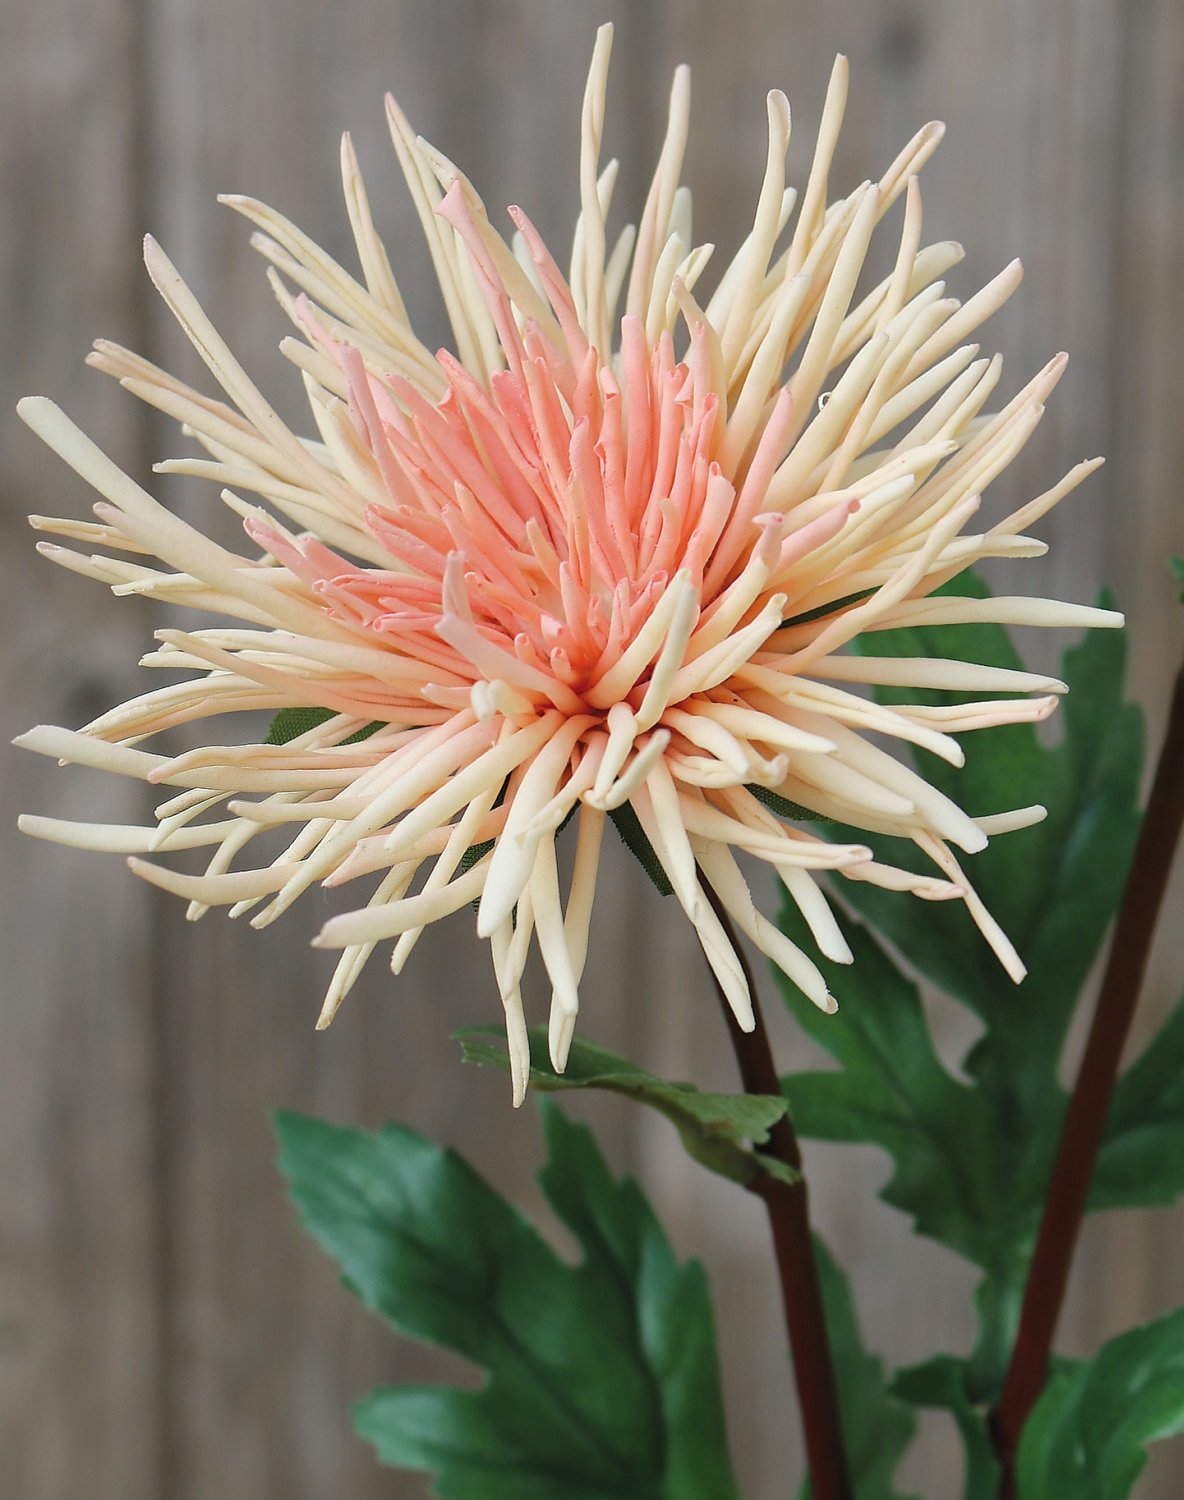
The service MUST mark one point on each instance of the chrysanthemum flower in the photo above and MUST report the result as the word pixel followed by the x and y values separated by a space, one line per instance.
pixel 601 558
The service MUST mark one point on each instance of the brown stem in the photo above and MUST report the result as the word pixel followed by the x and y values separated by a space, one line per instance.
pixel 1085 1119
pixel 789 1219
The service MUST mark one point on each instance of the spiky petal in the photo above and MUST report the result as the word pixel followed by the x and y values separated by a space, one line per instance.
pixel 609 551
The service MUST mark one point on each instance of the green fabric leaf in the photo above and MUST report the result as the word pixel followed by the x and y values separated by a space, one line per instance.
pixel 972 1163
pixel 1142 1157
pixel 601 1377
pixel 952 1166
pixel 877 1428
pixel 1087 1436
pixel 943 1384
pixel 290 723
pixel 715 1128
pixel 1054 886
pixel 893 1091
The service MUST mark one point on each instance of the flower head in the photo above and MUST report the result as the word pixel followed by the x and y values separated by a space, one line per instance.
pixel 599 560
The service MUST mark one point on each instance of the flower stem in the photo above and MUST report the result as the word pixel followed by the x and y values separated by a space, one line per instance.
pixel 789 1218
pixel 1085 1119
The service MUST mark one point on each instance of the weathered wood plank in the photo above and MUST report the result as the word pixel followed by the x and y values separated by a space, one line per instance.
pixel 77 1264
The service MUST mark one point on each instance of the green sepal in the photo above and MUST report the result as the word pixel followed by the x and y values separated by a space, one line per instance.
pixel 823 610
pixel 602 1382
pixel 633 836
pixel 1087 1436
pixel 714 1128
pixel 782 806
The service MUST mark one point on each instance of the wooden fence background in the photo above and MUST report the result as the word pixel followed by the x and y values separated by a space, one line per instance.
pixel 165 1330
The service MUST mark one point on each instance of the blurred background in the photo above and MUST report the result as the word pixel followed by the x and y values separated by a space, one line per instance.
pixel 165 1329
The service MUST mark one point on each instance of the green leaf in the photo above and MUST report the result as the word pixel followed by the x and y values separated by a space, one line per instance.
pixel 1088 1434
pixel 601 1377
pixel 1142 1156
pixel 715 1128
pixel 972 1163
pixel 1177 566
pixel 290 723
pixel 953 1169
pixel 893 1091
pixel 877 1428
pixel 943 1384
pixel 1053 886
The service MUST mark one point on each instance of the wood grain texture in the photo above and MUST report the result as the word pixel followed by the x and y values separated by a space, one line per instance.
pixel 153 1275
pixel 79 1215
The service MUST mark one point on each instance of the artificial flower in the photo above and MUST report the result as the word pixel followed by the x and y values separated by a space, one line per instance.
pixel 599 559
